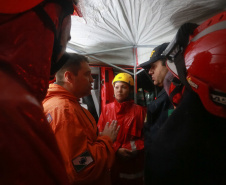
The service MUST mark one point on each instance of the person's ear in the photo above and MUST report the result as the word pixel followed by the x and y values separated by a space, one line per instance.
pixel 68 76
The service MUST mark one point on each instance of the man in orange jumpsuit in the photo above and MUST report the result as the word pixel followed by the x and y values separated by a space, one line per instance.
pixel 128 167
pixel 28 149
pixel 87 155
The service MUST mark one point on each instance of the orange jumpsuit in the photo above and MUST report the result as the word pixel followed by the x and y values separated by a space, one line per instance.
pixel 87 156
pixel 28 149
pixel 131 118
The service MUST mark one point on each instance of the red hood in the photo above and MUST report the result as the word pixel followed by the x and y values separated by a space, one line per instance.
pixel 26 46
pixel 121 108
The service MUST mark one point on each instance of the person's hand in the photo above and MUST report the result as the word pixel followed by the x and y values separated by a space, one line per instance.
pixel 111 131
pixel 125 154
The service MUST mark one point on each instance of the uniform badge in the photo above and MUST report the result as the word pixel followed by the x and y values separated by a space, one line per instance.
pixel 49 118
pixel 82 161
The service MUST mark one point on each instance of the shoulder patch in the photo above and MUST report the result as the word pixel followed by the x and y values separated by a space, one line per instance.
pixel 49 118
pixel 82 161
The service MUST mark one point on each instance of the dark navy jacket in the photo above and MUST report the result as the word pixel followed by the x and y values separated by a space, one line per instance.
pixel 190 148
pixel 157 113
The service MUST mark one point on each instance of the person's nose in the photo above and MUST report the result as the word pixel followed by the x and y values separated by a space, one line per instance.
pixel 151 71
pixel 119 89
pixel 91 79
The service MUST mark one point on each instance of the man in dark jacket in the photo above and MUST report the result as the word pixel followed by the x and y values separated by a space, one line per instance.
pixel 159 109
pixel 190 146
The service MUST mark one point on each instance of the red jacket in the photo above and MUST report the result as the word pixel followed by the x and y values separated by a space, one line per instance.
pixel 28 149
pixel 77 136
pixel 131 118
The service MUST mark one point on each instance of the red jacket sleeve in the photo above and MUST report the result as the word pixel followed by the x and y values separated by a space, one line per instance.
pixel 135 140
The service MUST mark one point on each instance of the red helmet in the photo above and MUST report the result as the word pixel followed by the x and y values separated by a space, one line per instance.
pixel 12 6
pixel 39 28
pixel 18 6
pixel 205 62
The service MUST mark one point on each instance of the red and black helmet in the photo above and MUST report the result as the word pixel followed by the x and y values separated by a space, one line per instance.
pixel 205 63
pixel 13 7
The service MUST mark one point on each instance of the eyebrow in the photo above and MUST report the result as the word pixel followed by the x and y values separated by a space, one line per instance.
pixel 152 65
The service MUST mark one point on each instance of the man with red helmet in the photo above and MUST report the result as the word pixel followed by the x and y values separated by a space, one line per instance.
pixel 190 147
pixel 33 35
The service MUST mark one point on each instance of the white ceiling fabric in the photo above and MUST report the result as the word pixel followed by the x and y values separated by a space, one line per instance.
pixel 109 24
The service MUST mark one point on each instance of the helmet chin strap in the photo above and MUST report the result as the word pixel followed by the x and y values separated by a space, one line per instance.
pixel 176 48
pixel 181 69
pixel 59 64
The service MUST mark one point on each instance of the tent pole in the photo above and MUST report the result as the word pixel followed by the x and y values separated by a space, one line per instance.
pixel 147 46
pixel 95 58
pixel 112 65
pixel 135 59
pixel 69 45
pixel 139 71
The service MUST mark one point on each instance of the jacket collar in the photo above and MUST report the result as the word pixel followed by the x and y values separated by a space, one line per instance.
pixel 57 90
pixel 124 106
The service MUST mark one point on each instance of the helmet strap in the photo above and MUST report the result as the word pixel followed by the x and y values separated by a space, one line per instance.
pixel 181 70
pixel 178 88
pixel 59 64
pixel 43 15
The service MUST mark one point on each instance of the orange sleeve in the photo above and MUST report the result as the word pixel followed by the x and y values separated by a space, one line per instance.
pixel 77 138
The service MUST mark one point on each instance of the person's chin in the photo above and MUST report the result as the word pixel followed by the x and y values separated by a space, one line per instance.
pixel 120 100
pixel 87 93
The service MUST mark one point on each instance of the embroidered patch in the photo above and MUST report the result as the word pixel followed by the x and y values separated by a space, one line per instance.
pixel 49 118
pixel 170 111
pixel 82 161
pixel 219 99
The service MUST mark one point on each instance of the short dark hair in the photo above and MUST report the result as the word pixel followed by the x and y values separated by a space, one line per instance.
pixel 163 60
pixel 73 64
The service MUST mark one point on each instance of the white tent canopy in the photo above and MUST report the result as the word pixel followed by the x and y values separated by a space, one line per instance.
pixel 125 31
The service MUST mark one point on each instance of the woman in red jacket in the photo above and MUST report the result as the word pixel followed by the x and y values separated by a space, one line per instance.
pixel 128 168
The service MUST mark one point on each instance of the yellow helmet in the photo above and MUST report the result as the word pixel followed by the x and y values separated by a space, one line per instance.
pixel 123 77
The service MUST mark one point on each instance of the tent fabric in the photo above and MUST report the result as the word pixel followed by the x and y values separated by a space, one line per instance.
pixel 142 24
